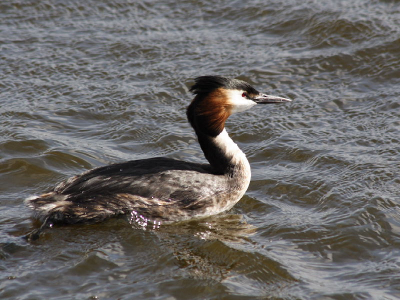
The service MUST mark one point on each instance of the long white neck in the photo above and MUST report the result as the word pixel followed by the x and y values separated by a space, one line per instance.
pixel 207 114
pixel 229 148
pixel 224 155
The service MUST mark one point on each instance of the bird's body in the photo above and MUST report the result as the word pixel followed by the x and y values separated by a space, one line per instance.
pixel 163 189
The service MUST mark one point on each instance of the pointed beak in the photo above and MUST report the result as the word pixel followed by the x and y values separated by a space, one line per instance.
pixel 266 99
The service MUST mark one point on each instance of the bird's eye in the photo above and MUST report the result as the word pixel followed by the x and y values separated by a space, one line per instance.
pixel 244 95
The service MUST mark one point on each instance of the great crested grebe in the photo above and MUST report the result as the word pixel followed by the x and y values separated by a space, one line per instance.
pixel 163 189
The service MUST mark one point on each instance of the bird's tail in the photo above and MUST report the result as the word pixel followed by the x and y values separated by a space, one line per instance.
pixel 47 209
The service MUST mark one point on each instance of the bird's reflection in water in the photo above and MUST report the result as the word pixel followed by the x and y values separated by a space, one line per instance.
pixel 223 227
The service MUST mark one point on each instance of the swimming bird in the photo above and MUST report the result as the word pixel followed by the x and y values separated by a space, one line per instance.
pixel 165 190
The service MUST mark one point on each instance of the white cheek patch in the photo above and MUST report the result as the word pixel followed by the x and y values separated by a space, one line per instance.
pixel 238 102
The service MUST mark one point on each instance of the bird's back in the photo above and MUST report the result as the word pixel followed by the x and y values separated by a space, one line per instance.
pixel 159 188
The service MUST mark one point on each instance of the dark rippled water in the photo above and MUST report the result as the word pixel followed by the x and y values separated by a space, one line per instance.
pixel 87 83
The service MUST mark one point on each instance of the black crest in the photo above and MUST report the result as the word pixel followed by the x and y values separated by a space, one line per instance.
pixel 206 84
